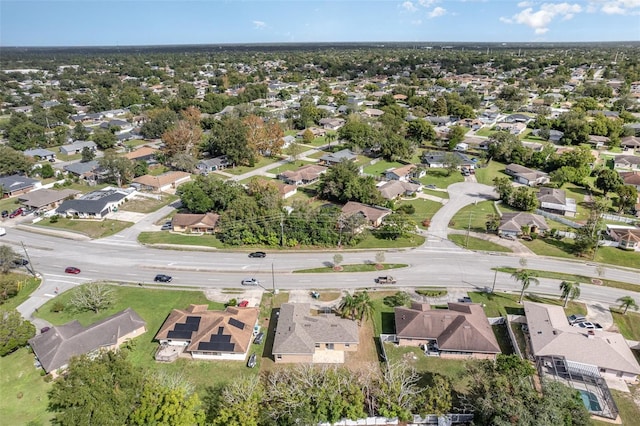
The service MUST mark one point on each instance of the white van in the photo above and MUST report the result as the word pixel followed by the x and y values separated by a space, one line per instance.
pixel 3 232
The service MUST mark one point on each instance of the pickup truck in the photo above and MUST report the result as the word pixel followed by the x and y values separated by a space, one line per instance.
pixel 386 280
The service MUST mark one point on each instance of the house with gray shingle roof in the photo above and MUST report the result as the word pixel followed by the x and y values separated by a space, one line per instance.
pixel 58 345
pixel 43 154
pixel 336 157
pixel 461 331
pixel 555 201
pixel 525 175
pixel 396 188
pixel 77 146
pixel 94 205
pixel 512 223
pixel 13 185
pixel 626 162
pixel 302 337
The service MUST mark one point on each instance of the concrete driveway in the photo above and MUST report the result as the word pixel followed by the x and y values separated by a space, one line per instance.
pixel 460 195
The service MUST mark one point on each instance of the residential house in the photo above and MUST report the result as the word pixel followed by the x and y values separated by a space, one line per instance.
pixel 461 331
pixel 397 188
pixel 77 146
pixel 286 190
pixel 525 175
pixel 626 162
pixel 162 183
pixel 462 147
pixel 336 157
pixel 305 175
pixel 405 173
pixel 373 112
pixel 599 142
pixel 204 223
pixel 555 201
pixel 287 141
pixel 332 123
pixel 517 118
pixel 554 341
pixel 631 178
pixel 16 185
pixel 55 348
pixel 515 128
pixel 46 199
pixel 373 215
pixel 513 224
pixel 302 337
pixel 630 144
pixel 199 333
pixel 472 123
pixel 89 171
pixel 213 164
pixel 316 131
pixel 94 205
pixel 146 154
pixel 628 237
pixel 438 159
pixel 40 154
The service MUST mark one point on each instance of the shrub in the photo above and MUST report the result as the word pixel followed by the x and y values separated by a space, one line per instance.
pixel 57 306
pixel 48 378
pixel 431 292
pixel 232 302
pixel 407 208
pixel 401 298
pixel 54 218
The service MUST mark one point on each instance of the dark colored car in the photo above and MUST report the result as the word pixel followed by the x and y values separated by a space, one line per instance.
pixel 16 212
pixel 162 278
pixel 253 360
pixel 258 254
pixel 20 262
pixel 166 227
pixel 45 329
pixel 465 299
pixel 72 270
pixel 5 213
pixel 259 338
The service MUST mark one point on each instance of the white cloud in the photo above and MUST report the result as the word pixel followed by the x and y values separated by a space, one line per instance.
pixel 409 7
pixel 614 7
pixel 525 4
pixel 438 11
pixel 416 22
pixel 539 20
pixel 427 3
pixel 259 25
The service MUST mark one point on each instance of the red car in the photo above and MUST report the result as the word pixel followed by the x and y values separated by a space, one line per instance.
pixel 243 304
pixel 72 270
pixel 16 212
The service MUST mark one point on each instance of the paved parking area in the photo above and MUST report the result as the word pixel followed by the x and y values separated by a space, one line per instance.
pixel 254 295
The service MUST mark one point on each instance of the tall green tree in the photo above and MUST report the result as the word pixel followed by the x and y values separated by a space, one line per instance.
pixel 627 302
pixel 119 170
pixel 7 256
pixel 15 331
pixel 570 290
pixel 608 180
pixel 627 197
pixel 525 278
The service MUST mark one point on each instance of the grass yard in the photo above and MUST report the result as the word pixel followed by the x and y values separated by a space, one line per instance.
pixel 9 204
pixel 493 170
pixel 153 305
pixel 381 166
pixel 294 165
pixel 477 243
pixel 628 324
pixel 619 257
pixel 439 178
pixel 474 215
pixel 371 242
pixel 551 247
pixel 164 237
pixel 383 320
pixel 439 194
pixel 143 204
pixel 501 304
pixel 627 407
pixel 364 267
pixel 238 170
pixel 92 228
pixel 424 209
pixel 158 170
pixel 24 391
pixel 485 131
pixel 27 285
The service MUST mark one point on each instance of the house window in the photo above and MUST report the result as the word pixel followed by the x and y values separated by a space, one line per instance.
pixel 346 345
pixel 279 356
pixel 330 346
pixel 317 345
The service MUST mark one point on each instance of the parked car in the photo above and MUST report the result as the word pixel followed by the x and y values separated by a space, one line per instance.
pixel 259 338
pixel 575 318
pixel 72 270
pixel 315 295
pixel 465 299
pixel 507 237
pixel 45 329
pixel 243 304
pixel 253 360
pixel 258 254
pixel 386 280
pixel 52 160
pixel 250 281
pixel 166 227
pixel 588 325
pixel 162 278
pixel 430 186
pixel 3 232
pixel 15 213
pixel 5 214
pixel 20 262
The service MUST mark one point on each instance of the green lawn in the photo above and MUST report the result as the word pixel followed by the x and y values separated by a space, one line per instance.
pixel 24 391
pixel 473 215
pixel 27 285
pixel 477 243
pixel 383 320
pixel 294 165
pixel 363 267
pixel 493 170
pixel 628 324
pixel 501 304
pixel 164 237
pixel 551 247
pixel 619 257
pixel 142 204
pixel 439 178
pixel 263 161
pixel 158 170
pixel 485 131
pixel 381 166
pixel 9 204
pixel 439 194
pixel 153 305
pixel 424 209
pixel 627 408
pixel 91 228
pixel 371 242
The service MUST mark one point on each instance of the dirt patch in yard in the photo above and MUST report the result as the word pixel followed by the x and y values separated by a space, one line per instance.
pixel 366 357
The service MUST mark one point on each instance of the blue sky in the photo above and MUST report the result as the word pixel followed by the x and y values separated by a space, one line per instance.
pixel 120 22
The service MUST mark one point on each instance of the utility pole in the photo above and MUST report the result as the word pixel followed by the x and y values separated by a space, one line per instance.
pixel 466 244
pixel 26 253
pixel 494 281
pixel 273 279
pixel 281 230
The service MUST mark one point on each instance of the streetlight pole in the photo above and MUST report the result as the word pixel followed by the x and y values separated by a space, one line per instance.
pixel 466 244
pixel 494 281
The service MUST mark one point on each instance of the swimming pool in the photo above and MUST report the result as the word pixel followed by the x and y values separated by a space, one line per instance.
pixel 590 400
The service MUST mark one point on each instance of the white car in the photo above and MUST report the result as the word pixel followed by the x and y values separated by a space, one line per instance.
pixel 250 281
pixel 3 232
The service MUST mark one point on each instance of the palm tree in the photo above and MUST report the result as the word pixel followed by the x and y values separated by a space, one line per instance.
pixel 363 306
pixel 347 306
pixel 627 302
pixel 526 278
pixel 330 137
pixel 570 290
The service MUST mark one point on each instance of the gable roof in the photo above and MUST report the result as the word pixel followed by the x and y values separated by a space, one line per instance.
pixel 92 203
pixel 371 213
pixel 221 331
pixel 626 159
pixel 55 348
pixel 515 221
pixel 404 170
pixel 16 183
pixel 552 195
pixel 630 141
pixel 81 168
pixel 39 152
pixel 394 188
pixel 463 327
pixel 145 151
pixel 630 178
pixel 304 173
pixel 551 334
pixel 298 332
pixel 43 197
pixel 187 219
pixel 336 157
pixel 161 180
